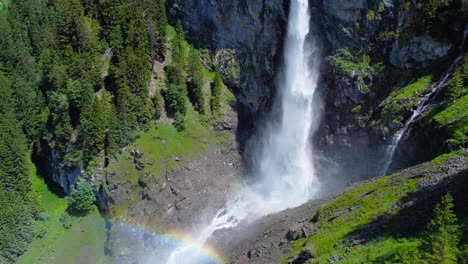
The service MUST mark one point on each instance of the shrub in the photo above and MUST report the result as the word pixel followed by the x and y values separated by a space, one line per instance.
pixel 41 230
pixel 82 198
pixel 176 100
pixel 179 122
pixel 65 219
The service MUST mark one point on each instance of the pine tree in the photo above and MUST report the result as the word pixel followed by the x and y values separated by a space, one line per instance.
pixel 13 155
pixel 216 93
pixel 196 76
pixel 456 87
pixel 157 22
pixel 176 100
pixel 93 125
pixel 442 235
pixel 82 198
pixel 178 50
pixel 127 120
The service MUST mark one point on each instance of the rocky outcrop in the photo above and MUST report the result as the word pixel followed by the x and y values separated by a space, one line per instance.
pixel 188 196
pixel 370 50
pixel 252 31
pixel 418 53
pixel 61 174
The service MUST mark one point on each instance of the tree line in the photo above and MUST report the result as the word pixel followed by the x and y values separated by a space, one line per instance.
pixel 74 81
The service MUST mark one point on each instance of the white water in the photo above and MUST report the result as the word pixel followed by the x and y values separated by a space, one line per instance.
pixel 423 103
pixel 285 175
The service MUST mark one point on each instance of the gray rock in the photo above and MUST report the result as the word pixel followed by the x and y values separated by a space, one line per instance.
pixel 304 256
pixel 253 29
pixel 293 235
pixel 418 53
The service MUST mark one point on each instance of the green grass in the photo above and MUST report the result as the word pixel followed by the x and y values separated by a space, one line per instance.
pixel 82 243
pixel 4 4
pixel 412 90
pixel 163 148
pixel 358 209
pixel 355 66
pixel 369 202
pixel 380 251
pixel 162 143
pixel 455 118
pixel 445 157
pixel 398 104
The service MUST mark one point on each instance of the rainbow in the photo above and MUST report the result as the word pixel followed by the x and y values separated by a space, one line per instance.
pixel 178 239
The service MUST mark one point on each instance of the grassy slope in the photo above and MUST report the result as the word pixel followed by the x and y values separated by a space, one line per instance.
pixel 82 243
pixel 357 209
pixel 455 118
pixel 398 104
pixel 333 232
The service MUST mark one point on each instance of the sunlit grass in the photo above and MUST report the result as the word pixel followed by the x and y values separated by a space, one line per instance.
pixel 82 243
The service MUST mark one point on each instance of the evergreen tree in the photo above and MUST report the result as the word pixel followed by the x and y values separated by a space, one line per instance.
pixel 127 122
pixel 442 235
pixel 176 100
pixel 216 93
pixel 178 50
pixel 14 174
pixel 196 84
pixel 157 22
pixel 16 202
pixel 82 198
pixel 59 106
pixel 93 125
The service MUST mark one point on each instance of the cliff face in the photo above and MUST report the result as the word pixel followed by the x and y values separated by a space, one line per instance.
pixel 373 51
pixel 369 51
pixel 253 30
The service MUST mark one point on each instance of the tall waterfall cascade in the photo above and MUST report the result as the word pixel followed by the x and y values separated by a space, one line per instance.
pixel 285 174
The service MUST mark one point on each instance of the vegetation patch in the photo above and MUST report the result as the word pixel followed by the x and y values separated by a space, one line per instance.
pixel 398 105
pixel 357 69
pixel 365 225
pixel 79 240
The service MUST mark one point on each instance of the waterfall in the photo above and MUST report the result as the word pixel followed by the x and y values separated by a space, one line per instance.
pixel 285 175
pixel 423 103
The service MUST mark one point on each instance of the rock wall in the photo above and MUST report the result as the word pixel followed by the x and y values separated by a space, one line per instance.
pixel 372 49
pixel 253 30
pixel 369 49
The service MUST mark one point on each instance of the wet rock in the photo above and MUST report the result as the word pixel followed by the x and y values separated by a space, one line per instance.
pixel 418 53
pixel 181 202
pixel 142 181
pixel 304 256
pixel 316 217
pixel 307 231
pixel 293 235
pixel 358 242
pixel 174 190
pixel 146 195
pixel 334 259
pixel 137 156
pixel 343 212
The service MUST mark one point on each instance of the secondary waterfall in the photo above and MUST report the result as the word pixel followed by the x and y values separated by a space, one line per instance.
pixel 423 103
pixel 285 175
